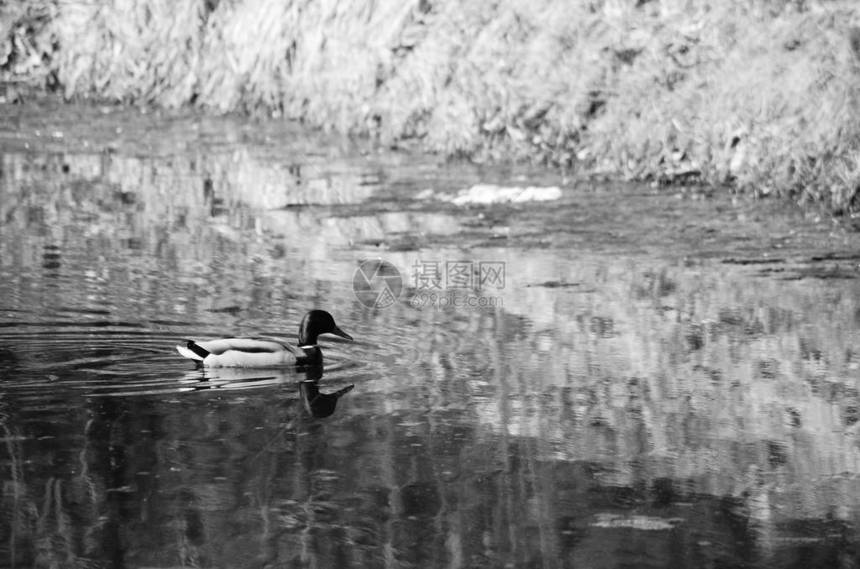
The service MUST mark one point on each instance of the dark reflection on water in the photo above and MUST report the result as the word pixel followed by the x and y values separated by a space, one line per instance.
pixel 317 403
pixel 616 408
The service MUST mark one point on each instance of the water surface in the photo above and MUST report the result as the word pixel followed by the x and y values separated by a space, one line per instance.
pixel 662 379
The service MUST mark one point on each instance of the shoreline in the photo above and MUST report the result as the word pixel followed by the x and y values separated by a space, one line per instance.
pixel 759 99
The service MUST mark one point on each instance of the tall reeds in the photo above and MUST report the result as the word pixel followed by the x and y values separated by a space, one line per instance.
pixel 27 47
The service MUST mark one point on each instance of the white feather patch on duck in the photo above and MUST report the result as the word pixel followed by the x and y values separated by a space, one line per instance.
pixel 241 352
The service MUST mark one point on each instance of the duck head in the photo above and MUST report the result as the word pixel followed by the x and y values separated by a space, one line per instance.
pixel 318 322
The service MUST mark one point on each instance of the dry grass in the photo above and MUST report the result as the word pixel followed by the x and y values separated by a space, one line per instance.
pixel 758 94
pixel 27 47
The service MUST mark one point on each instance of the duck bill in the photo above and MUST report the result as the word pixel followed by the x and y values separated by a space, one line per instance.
pixel 338 332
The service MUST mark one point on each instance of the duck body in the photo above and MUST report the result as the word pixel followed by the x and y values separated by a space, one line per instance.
pixel 242 352
pixel 265 352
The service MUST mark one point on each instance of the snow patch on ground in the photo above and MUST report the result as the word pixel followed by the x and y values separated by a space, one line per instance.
pixel 485 194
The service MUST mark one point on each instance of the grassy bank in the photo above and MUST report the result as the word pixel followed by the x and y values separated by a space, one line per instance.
pixel 760 95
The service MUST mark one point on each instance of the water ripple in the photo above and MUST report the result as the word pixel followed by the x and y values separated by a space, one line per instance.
pixel 125 359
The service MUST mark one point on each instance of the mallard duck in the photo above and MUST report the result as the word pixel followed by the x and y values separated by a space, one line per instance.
pixel 266 352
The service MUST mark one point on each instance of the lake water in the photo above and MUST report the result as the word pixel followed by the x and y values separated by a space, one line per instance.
pixel 624 377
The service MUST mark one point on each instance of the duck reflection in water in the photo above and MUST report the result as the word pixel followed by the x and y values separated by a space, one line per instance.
pixel 319 404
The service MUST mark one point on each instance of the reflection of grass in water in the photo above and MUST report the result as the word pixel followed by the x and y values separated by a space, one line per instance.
pixel 166 231
pixel 41 530
pixel 16 510
pixel 701 377
pixel 423 480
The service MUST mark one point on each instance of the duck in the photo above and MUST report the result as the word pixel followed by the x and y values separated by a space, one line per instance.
pixel 265 352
